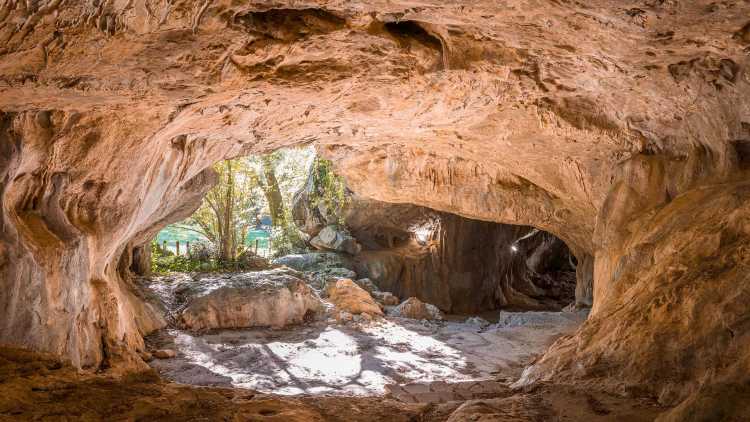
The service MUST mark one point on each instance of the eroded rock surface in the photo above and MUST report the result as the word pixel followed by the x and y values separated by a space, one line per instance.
pixel 334 239
pixel 622 129
pixel 320 267
pixel 466 266
pixel 274 298
pixel 461 265
pixel 347 296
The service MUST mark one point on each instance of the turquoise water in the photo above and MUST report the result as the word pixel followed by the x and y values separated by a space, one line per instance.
pixel 172 234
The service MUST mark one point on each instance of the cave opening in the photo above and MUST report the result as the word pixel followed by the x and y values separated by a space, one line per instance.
pixel 622 129
pixel 284 281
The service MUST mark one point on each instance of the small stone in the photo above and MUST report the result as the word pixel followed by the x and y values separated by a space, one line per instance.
pixel 385 298
pixel 164 354
pixel 416 309
pixel 344 316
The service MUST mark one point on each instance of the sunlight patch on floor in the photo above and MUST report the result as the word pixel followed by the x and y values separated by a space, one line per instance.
pixel 324 358
pixel 355 362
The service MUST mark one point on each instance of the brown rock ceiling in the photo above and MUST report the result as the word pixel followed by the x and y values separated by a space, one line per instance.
pixel 622 127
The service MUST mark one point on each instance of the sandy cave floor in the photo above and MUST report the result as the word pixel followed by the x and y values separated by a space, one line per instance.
pixel 361 359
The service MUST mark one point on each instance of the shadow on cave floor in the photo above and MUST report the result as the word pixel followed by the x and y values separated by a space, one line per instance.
pixel 35 386
pixel 361 359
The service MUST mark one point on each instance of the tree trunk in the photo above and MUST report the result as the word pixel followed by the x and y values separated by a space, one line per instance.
pixel 272 192
pixel 227 253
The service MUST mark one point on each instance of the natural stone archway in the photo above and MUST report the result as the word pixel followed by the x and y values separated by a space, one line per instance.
pixel 460 265
pixel 619 129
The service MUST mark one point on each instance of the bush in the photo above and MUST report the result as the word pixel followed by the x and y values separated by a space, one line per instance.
pixel 287 238
pixel 203 258
pixel 329 191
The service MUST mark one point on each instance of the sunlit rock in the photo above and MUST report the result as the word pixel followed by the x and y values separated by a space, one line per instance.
pixel 333 239
pixel 320 267
pixel 348 297
pixel 274 298
pixel 314 261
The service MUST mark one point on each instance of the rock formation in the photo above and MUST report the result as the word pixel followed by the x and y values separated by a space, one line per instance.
pixel 348 297
pixel 333 239
pixel 320 267
pixel 466 266
pixel 274 298
pixel 416 309
pixel 461 265
pixel 621 128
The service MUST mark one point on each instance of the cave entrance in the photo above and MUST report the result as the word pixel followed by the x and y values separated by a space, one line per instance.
pixel 314 290
pixel 461 265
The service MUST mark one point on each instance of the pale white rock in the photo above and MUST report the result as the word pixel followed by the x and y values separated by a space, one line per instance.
pixel 330 238
pixel 273 298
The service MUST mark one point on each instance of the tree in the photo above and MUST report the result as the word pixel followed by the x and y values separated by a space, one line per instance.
pixel 270 185
pixel 281 174
pixel 229 209
pixel 329 190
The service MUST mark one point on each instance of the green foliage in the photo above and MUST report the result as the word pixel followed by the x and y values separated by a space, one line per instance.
pixel 164 261
pixel 203 258
pixel 287 238
pixel 229 209
pixel 329 190
pixel 223 228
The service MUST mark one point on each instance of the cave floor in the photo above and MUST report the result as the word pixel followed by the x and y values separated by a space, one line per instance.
pixel 37 387
pixel 413 360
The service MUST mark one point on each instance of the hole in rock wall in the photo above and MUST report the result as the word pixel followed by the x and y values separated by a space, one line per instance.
pixel 292 284
pixel 461 265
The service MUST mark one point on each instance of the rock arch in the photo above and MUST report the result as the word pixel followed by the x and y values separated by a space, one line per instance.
pixel 619 144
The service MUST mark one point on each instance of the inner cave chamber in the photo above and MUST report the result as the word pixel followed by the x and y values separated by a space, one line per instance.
pixel 460 265
pixel 619 132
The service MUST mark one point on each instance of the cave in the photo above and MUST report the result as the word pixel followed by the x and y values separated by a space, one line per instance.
pixel 355 297
pixel 617 132
pixel 464 266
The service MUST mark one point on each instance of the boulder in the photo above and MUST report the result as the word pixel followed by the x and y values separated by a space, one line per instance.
pixel 314 261
pixel 320 267
pixel 330 238
pixel 273 298
pixel 348 297
pixel 416 309
pixel 329 275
